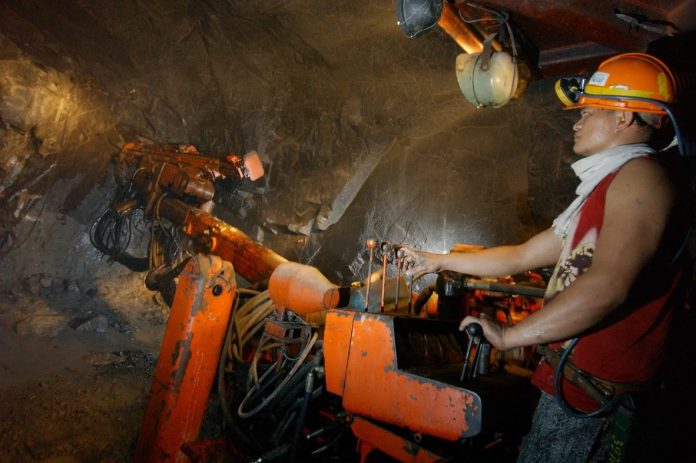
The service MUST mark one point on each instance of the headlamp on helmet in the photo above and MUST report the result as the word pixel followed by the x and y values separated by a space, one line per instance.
pixel 570 89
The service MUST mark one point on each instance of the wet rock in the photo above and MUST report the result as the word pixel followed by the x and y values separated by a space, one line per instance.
pixel 41 324
pixel 93 322
pixel 127 359
pixel 101 359
pixel 32 284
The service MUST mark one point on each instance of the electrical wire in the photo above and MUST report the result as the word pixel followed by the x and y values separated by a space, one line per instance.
pixel 238 334
pixel 246 414
pixel 222 362
pixel 247 320
pixel 501 17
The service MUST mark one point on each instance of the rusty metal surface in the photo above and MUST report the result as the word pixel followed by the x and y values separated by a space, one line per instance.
pixel 552 23
pixel 188 360
pixel 572 36
pixel 371 436
pixel 250 259
pixel 302 288
pixel 337 334
pixel 466 38
pixel 375 387
pixel 180 155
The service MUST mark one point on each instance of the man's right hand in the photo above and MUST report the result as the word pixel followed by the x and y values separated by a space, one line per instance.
pixel 493 331
pixel 415 262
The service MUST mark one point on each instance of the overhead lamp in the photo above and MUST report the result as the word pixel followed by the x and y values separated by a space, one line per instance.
pixel 415 17
pixel 487 78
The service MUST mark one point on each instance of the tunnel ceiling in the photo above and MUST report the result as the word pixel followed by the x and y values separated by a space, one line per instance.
pixel 573 35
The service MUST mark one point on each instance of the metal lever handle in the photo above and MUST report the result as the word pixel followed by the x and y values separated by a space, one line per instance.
pixel 466 359
pixel 385 247
pixel 474 330
pixel 399 255
pixel 482 346
pixel 371 245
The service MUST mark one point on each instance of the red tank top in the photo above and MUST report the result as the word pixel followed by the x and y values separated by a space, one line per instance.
pixel 628 345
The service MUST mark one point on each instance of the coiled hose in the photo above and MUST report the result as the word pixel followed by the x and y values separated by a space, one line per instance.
pixel 257 386
pixel 246 321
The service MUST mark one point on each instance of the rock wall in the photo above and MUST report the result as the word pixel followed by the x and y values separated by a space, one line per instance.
pixel 363 132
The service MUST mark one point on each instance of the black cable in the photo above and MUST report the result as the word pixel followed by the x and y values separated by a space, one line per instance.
pixel 299 424
pixel 567 409
pixel 332 442
pixel 111 233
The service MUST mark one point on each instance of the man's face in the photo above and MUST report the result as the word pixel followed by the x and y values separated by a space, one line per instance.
pixel 595 131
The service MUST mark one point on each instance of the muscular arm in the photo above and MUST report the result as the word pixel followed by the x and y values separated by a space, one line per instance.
pixel 539 251
pixel 638 204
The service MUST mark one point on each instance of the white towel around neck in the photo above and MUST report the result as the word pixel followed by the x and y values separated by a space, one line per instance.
pixel 591 170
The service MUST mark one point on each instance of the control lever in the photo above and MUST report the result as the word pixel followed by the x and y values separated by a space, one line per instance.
pixel 399 256
pixel 475 333
pixel 410 292
pixel 371 245
pixel 483 354
pixel 385 247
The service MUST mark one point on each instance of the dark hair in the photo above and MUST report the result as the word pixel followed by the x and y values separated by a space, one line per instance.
pixel 647 119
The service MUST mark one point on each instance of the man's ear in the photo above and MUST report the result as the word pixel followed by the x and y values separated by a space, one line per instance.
pixel 624 119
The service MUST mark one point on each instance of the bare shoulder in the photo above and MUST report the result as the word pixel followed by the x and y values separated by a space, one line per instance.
pixel 643 177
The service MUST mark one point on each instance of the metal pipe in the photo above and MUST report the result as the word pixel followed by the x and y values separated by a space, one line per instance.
pixel 477 357
pixel 250 259
pixel 410 295
pixel 399 256
pixel 466 358
pixel 385 248
pixel 371 245
pixel 523 290
pixel 452 24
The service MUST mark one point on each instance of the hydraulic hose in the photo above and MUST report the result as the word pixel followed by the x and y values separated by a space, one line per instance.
pixel 308 390
pixel 558 394
pixel 246 414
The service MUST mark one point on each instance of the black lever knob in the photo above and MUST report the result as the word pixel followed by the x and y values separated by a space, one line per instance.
pixel 474 330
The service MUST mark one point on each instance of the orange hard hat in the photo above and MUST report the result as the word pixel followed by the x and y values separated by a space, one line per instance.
pixel 630 81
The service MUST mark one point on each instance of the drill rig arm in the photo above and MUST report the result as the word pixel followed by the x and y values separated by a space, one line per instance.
pixel 211 235
pixel 173 188
pixel 371 363
pixel 235 166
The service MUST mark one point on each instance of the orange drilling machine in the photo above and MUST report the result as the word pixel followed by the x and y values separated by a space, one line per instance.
pixel 298 368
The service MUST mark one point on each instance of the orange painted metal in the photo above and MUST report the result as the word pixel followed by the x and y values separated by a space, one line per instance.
pixel 250 259
pixel 147 155
pixel 337 336
pixel 371 436
pixel 371 384
pixel 188 359
pixel 452 24
pixel 302 288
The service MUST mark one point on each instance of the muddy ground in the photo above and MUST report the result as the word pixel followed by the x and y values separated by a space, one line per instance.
pixel 75 369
